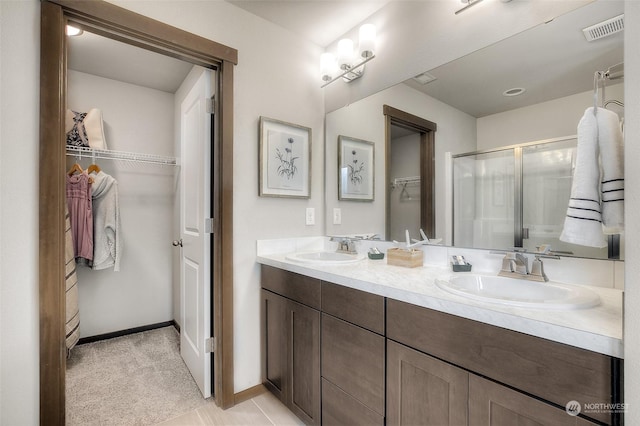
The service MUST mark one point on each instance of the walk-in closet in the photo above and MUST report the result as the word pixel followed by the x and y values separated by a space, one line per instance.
pixel 127 109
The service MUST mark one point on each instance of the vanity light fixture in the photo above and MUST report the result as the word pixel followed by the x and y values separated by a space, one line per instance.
pixel 73 31
pixel 349 64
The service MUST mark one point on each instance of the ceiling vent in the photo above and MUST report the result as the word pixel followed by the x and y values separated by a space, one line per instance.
pixel 604 28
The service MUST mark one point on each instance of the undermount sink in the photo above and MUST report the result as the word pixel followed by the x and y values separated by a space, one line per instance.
pixel 324 257
pixel 520 292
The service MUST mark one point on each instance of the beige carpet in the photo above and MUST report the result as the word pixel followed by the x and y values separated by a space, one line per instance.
pixel 138 379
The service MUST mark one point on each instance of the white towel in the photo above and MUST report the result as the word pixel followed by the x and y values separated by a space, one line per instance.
pixel 583 223
pixel 611 143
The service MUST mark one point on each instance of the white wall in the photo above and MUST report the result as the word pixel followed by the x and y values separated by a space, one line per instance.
pixel 546 120
pixel 632 207
pixel 19 82
pixel 364 120
pixel 136 119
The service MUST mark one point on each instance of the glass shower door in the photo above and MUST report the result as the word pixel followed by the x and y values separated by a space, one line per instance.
pixel 483 205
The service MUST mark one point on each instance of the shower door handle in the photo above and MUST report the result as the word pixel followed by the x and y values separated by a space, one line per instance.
pixel 177 243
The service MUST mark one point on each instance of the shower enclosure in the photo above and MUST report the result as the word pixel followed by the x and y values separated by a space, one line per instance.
pixel 517 196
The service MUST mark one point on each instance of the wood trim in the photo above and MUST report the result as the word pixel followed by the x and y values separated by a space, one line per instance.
pixel 224 304
pixel 135 29
pixel 51 259
pixel 427 129
pixel 409 120
pixel 250 393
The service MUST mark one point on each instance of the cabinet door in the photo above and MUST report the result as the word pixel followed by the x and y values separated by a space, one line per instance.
pixel 340 409
pixel 353 360
pixel 304 362
pixel 274 343
pixel 496 405
pixel 422 390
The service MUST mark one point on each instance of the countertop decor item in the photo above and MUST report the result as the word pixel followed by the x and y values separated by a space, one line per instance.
pixel 409 258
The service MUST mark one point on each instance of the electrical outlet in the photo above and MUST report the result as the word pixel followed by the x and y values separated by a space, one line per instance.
pixel 337 216
pixel 310 216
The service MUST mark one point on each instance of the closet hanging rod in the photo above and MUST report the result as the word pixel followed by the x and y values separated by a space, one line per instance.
pixel 405 181
pixel 107 154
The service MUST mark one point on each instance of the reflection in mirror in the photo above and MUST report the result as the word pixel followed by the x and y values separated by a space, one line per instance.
pixel 555 65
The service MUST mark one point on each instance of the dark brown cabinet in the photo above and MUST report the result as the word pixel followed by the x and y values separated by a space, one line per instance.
pixel 491 404
pixel 353 357
pixel 547 370
pixel 291 342
pixel 422 390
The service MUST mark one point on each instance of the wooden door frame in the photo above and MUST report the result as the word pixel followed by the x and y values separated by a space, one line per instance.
pixel 427 130
pixel 120 24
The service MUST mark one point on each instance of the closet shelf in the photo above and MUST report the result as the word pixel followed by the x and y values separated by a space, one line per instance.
pixel 81 151
pixel 405 181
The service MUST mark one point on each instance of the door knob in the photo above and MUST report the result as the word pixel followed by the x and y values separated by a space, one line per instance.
pixel 177 243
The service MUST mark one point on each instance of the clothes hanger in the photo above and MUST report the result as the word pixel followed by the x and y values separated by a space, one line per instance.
pixel 93 167
pixel 76 168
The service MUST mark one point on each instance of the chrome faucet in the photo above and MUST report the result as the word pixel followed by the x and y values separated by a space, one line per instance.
pixel 516 265
pixel 345 245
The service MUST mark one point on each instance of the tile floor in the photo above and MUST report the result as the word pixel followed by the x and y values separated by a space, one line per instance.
pixel 263 409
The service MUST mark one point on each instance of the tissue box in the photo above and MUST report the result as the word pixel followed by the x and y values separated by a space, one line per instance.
pixel 404 257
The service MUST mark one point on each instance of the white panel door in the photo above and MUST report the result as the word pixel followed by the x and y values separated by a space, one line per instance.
pixel 195 204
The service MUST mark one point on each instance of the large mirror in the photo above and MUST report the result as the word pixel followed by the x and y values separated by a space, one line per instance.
pixel 471 101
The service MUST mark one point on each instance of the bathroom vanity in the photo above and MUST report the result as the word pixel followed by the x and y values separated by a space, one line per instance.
pixel 343 350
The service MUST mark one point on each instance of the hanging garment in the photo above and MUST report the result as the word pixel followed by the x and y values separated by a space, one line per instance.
pixel 80 215
pixel 72 327
pixel 85 129
pixel 583 223
pixel 107 241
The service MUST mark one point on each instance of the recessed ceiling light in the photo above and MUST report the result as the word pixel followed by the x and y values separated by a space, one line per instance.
pixel 514 92
pixel 73 31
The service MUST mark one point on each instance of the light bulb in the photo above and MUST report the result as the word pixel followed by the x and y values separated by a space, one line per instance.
pixel 73 31
pixel 345 53
pixel 327 66
pixel 367 40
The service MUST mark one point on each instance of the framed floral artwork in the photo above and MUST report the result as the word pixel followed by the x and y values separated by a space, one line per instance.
pixel 285 159
pixel 355 169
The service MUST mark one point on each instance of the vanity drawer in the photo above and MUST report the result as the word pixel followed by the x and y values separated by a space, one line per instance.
pixel 340 408
pixel 552 371
pixel 355 306
pixel 354 360
pixel 302 289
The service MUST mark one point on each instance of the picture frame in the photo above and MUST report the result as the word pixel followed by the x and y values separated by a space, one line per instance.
pixel 284 159
pixel 356 169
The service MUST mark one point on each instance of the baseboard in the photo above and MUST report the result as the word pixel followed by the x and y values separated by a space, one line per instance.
pixel 126 332
pixel 249 393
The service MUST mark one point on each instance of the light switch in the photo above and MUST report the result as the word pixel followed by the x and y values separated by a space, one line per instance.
pixel 337 216
pixel 310 216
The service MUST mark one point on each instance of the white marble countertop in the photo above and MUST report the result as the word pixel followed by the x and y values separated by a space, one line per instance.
pixel 597 329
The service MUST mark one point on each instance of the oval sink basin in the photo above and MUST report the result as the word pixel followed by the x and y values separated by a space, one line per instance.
pixel 521 293
pixel 324 257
